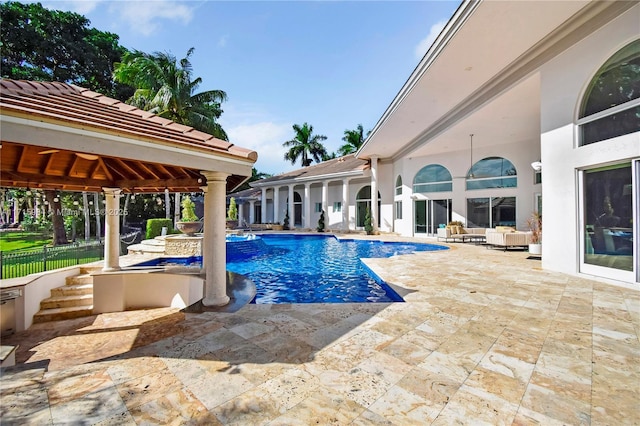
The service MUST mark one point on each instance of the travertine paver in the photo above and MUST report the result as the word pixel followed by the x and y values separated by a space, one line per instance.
pixel 484 337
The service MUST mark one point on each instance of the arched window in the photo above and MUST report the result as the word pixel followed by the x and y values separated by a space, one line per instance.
pixel 492 172
pixel 611 105
pixel 399 185
pixel 433 178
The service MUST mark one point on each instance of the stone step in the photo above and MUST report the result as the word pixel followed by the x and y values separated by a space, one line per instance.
pixel 58 314
pixel 67 301
pixel 87 270
pixel 79 279
pixel 72 290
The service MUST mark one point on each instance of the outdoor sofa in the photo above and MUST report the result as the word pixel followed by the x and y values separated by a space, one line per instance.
pixel 507 237
pixel 460 233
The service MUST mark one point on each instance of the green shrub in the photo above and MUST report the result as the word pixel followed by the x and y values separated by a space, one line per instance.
pixel 368 226
pixel 320 227
pixel 154 227
pixel 233 210
pixel 188 210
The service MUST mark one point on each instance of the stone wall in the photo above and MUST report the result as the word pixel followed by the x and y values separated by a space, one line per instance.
pixel 183 245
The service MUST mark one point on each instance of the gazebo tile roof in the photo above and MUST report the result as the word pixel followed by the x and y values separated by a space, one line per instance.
pixel 71 106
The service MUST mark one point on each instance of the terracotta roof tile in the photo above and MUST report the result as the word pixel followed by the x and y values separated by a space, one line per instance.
pixel 345 164
pixel 72 104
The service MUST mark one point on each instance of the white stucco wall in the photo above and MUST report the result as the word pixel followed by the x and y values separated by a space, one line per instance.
pixel 520 153
pixel 563 83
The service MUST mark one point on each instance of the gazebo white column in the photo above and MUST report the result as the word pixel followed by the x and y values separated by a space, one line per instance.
pixel 112 229
pixel 263 205
pixel 307 205
pixel 252 215
pixel 345 204
pixel 291 209
pixel 374 192
pixel 276 205
pixel 214 248
pixel 325 197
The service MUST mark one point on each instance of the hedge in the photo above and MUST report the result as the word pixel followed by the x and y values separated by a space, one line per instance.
pixel 154 227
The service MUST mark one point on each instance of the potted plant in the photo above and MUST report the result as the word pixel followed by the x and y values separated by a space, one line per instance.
pixel 368 226
pixel 285 222
pixel 189 224
pixel 535 227
pixel 232 214
pixel 320 227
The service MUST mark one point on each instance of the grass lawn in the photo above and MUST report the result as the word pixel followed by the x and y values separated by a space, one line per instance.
pixel 18 240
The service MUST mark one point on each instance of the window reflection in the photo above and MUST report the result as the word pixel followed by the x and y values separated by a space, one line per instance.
pixel 433 178
pixel 608 209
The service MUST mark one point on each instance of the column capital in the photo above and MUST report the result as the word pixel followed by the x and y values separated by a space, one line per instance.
pixel 214 176
pixel 112 191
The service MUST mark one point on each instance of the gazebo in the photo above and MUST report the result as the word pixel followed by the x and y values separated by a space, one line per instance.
pixel 60 136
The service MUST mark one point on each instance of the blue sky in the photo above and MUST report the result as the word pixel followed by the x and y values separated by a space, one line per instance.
pixel 332 64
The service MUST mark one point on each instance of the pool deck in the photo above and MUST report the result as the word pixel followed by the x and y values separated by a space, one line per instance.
pixel 485 337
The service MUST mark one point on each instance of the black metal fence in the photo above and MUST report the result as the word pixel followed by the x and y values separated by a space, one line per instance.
pixel 19 263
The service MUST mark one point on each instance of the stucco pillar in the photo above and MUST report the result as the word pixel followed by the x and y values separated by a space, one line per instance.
pixel 345 204
pixel 325 198
pixel 276 205
pixel 241 218
pixel 252 215
pixel 291 209
pixel 307 205
pixel 112 229
pixel 214 248
pixel 263 205
pixel 374 192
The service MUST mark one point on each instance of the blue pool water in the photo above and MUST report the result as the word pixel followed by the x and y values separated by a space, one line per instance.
pixel 319 269
pixel 307 268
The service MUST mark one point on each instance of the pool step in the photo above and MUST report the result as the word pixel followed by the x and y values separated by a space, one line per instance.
pixel 72 300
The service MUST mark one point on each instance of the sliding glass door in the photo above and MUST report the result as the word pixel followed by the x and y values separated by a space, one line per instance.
pixel 609 205
pixel 431 214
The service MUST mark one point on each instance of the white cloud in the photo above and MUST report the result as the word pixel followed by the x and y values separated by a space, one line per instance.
pixel 222 41
pixel 426 42
pixel 145 16
pixel 266 139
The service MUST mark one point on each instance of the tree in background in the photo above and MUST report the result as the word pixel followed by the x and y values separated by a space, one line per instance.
pixel 255 175
pixel 53 45
pixel 304 145
pixel 165 87
pixel 354 140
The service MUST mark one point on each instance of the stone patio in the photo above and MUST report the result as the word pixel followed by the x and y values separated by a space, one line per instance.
pixel 485 337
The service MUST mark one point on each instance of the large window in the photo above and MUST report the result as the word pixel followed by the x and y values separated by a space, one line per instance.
pixel 399 185
pixel 489 212
pixel 611 106
pixel 492 172
pixel 608 210
pixel 432 178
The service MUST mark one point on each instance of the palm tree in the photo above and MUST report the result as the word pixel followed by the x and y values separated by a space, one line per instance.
pixel 354 140
pixel 255 175
pixel 165 87
pixel 305 144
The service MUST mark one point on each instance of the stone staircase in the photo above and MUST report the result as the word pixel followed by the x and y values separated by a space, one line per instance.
pixel 72 300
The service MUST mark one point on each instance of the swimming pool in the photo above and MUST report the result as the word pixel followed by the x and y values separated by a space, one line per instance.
pixel 320 269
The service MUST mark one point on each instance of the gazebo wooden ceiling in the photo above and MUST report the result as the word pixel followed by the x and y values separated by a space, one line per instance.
pixel 42 167
pixel 59 136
